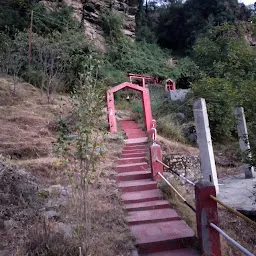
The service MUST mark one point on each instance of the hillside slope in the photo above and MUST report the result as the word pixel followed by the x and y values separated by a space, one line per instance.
pixel 40 209
pixel 91 12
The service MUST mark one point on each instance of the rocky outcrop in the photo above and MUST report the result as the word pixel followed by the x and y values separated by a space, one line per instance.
pixel 91 13
pixel 250 39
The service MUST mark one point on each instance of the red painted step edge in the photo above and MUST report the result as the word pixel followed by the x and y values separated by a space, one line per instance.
pixel 137 185
pixel 158 204
pixel 141 196
pixel 125 176
pixel 163 236
pixel 152 216
pixel 131 160
pixel 132 167
pixel 178 252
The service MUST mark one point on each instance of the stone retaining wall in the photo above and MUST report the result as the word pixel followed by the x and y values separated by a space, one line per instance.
pixel 186 165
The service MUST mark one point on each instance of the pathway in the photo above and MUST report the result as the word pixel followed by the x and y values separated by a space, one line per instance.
pixel 158 229
pixel 237 192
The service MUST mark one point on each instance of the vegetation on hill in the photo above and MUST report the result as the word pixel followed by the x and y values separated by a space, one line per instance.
pixel 215 59
pixel 206 38
pixel 202 45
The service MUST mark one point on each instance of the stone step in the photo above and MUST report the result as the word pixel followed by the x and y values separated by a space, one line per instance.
pixel 137 144
pixel 130 126
pixel 163 236
pixel 133 151
pixel 126 176
pixel 132 155
pixel 125 124
pixel 179 252
pixel 126 120
pixel 137 185
pixel 139 134
pixel 132 167
pixel 136 133
pixel 136 136
pixel 141 196
pixel 136 140
pixel 131 160
pixel 133 130
pixel 127 128
pixel 158 204
pixel 141 147
pixel 152 216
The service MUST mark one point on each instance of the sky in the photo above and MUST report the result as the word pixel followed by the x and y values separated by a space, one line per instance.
pixel 246 2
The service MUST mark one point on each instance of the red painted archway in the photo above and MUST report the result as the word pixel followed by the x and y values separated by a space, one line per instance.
pixel 145 102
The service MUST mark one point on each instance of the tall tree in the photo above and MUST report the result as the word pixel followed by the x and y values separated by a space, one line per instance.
pixel 181 23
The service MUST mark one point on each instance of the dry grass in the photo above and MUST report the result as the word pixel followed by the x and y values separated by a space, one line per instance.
pixel 28 128
pixel 106 233
pixel 187 214
pixel 28 125
pixel 169 129
pixel 174 147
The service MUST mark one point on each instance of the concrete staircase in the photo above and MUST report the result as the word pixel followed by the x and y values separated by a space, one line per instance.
pixel 158 229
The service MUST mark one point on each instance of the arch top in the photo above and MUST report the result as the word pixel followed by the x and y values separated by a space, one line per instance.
pixel 127 85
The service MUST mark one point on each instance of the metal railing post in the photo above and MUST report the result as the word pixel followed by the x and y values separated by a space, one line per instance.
pixel 156 154
pixel 152 134
pixel 153 123
pixel 206 213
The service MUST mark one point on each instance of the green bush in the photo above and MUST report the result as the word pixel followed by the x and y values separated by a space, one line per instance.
pixel 14 16
pixel 112 24
pixel 33 76
pixel 62 56
pixel 139 58
pixel 170 130
pixel 189 72
pixel 225 54
pixel 47 21
pixel 137 109
pixel 112 76
pixel 221 99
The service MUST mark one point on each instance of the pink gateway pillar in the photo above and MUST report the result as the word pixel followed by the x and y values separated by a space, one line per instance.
pixel 111 112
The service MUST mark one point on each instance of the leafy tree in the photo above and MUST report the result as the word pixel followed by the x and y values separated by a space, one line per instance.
pixel 224 54
pixel 181 23
pixel 220 97
pixel 139 57
pixel 48 21
pixel 112 25
pixel 140 18
pixel 79 155
pixel 245 13
pixel 189 72
pixel 146 22
pixel 14 16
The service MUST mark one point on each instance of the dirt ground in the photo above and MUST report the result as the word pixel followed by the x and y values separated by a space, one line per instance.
pixel 28 170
